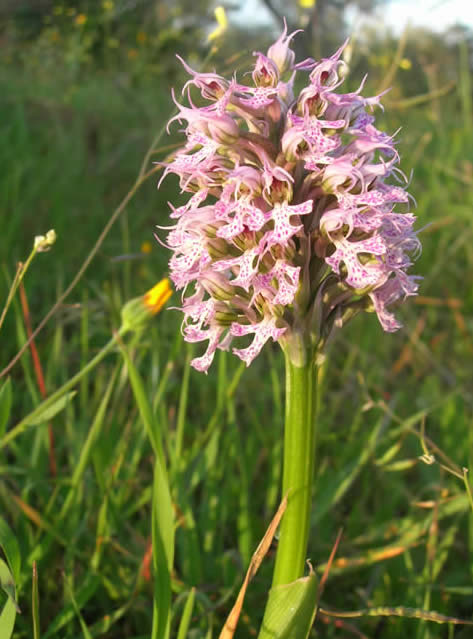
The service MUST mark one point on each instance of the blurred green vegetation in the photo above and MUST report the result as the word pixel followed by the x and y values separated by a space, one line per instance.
pixel 84 89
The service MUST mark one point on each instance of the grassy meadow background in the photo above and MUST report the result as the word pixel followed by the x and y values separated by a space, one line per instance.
pixel 84 90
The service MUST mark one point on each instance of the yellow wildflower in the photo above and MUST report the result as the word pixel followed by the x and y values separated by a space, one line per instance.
pixel 157 297
pixel 146 247
pixel 222 22
pixel 81 20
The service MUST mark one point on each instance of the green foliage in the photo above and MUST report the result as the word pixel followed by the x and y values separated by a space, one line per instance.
pixel 291 610
pixel 5 404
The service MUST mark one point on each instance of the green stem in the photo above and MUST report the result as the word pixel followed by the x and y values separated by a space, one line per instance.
pixel 298 471
pixel 19 275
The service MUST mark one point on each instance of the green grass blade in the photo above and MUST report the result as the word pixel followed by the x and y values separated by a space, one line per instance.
pixel 45 411
pixel 7 583
pixel 401 611
pixel 10 547
pixel 88 445
pixel 186 615
pixel 333 487
pixel 35 603
pixel 7 619
pixel 101 627
pixel 50 411
pixel 162 511
pixel 163 552
pixel 85 631
pixel 84 351
pixel 5 405
pixel 65 616
pixel 144 405
pixel 181 414
pixel 8 614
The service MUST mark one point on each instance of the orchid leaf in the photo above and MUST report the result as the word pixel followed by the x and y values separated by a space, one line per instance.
pixel 290 611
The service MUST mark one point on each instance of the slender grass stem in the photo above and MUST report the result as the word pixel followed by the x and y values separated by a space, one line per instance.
pixel 19 275
pixel 299 450
pixel 25 422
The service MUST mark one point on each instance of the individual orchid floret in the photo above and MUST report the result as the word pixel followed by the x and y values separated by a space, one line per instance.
pixel 291 227
pixel 219 128
pixel 211 85
pixel 266 72
pixel 283 56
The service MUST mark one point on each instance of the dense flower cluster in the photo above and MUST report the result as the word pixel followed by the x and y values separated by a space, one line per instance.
pixel 290 229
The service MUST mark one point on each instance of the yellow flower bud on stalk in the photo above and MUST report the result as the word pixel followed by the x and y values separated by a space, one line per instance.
pixel 139 310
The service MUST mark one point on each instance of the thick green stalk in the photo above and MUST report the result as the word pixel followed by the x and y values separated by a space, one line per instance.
pixel 298 471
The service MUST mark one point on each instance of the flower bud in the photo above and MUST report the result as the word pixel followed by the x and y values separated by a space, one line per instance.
pixel 223 129
pixel 217 286
pixel 280 52
pixel 43 243
pixel 248 180
pixel 136 312
pixel 225 318
pixel 217 248
pixel 293 144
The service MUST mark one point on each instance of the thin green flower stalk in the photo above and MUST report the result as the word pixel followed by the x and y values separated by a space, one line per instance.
pixel 290 231
pixel 42 244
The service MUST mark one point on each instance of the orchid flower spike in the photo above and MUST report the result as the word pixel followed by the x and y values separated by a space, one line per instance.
pixel 291 228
